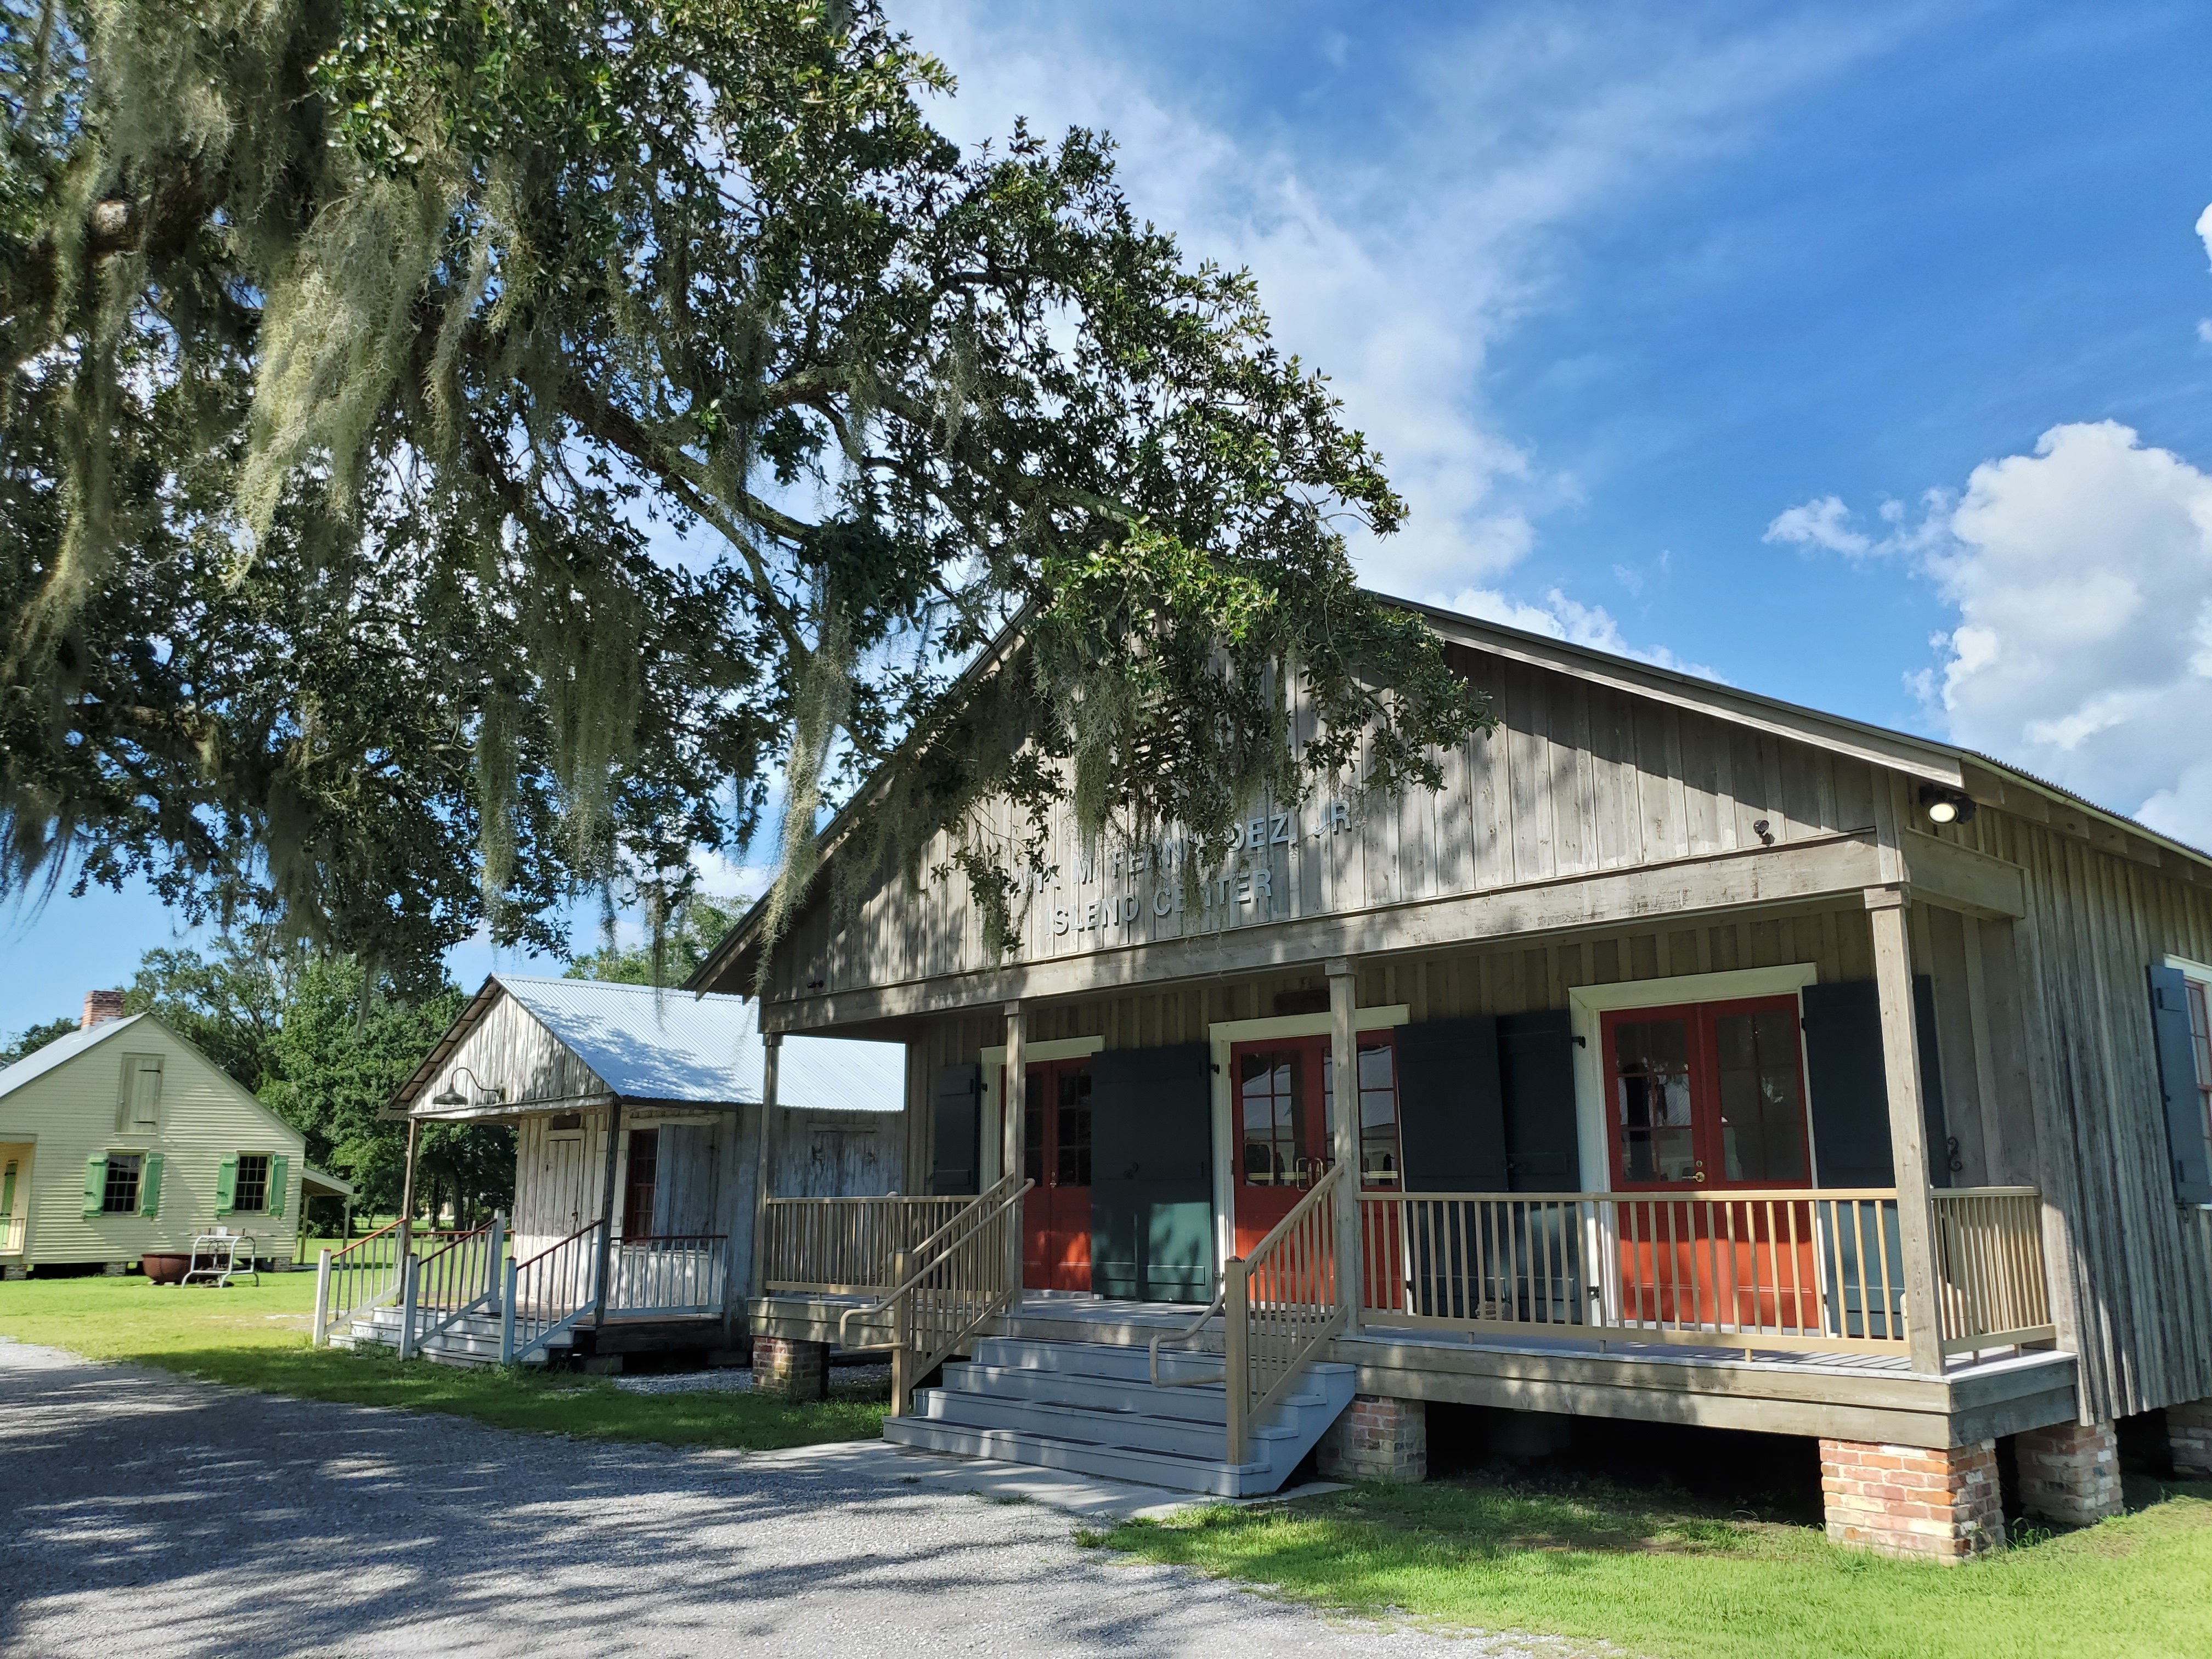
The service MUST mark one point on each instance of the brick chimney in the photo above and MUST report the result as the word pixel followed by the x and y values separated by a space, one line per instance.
pixel 100 1008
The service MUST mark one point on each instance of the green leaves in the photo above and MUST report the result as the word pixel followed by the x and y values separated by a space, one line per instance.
pixel 453 455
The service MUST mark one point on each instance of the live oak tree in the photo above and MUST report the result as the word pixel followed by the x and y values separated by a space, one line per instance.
pixel 453 455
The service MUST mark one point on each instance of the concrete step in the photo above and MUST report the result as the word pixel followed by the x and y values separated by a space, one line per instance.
pixel 1200 1403
pixel 1148 1468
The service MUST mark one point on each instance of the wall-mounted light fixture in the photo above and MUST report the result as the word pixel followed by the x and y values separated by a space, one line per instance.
pixel 451 1097
pixel 1946 805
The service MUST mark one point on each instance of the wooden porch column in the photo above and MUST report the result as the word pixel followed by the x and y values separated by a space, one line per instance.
pixel 1908 1139
pixel 771 1068
pixel 1013 1110
pixel 407 1187
pixel 1344 1053
pixel 607 1215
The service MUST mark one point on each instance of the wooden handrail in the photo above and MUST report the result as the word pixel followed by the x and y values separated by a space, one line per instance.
pixel 1281 1304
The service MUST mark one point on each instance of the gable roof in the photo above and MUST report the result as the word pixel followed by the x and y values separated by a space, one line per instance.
pixel 658 1045
pixel 64 1049
pixel 82 1041
pixel 1927 758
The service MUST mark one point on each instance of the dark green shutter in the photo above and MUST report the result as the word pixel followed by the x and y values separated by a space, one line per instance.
pixel 95 1185
pixel 956 1131
pixel 280 1173
pixel 1845 1075
pixel 150 1185
pixel 1451 1111
pixel 1151 1173
pixel 8 1192
pixel 226 1186
pixel 1536 1075
pixel 2190 1155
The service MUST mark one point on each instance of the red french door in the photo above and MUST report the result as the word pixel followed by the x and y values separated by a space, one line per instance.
pixel 1285 1100
pixel 1704 1098
pixel 1056 1155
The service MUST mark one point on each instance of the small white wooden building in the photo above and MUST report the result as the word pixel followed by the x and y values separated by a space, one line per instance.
pixel 638 1111
pixel 122 1140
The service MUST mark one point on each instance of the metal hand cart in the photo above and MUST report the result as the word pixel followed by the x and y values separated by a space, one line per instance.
pixel 221 1250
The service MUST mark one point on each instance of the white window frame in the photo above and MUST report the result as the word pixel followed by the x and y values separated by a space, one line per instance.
pixel 993 1061
pixel 238 1181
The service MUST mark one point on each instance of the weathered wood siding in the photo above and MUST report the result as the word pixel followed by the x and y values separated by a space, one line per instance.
pixel 2135 1278
pixel 1577 778
pixel 509 1049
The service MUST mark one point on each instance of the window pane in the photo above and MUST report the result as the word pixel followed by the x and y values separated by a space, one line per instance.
pixel 1271 1088
pixel 120 1195
pixel 252 1192
pixel 1651 1095
pixel 1762 1107
pixel 1378 1115
pixel 1073 1103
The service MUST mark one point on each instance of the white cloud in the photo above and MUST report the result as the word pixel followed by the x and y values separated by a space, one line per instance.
pixel 2204 231
pixel 1394 269
pixel 2082 578
pixel 1562 618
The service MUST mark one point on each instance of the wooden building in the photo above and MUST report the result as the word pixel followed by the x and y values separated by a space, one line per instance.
pixel 638 1140
pixel 122 1140
pixel 1719 1061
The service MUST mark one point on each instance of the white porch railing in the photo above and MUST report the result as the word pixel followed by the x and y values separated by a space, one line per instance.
pixel 364 1275
pixel 672 1275
pixel 548 1293
pixel 443 1287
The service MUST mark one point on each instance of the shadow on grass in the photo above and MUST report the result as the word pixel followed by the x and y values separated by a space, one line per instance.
pixel 585 1408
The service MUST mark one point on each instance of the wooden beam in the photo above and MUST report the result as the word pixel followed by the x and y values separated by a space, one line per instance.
pixel 1908 1141
pixel 1013 1112
pixel 764 1152
pixel 1796 872
pixel 1963 880
pixel 1344 1054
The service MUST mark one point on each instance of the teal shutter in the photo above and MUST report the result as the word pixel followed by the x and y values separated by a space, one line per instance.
pixel 95 1185
pixel 226 1186
pixel 150 1185
pixel 2189 1154
pixel 280 1171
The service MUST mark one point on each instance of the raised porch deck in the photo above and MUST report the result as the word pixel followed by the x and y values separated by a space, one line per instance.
pixel 1873 1397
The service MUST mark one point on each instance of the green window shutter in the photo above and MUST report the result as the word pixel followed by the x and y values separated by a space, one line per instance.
pixel 280 1171
pixel 8 1193
pixel 226 1186
pixel 95 1185
pixel 150 1185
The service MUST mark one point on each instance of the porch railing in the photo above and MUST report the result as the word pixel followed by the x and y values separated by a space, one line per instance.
pixel 1989 1268
pixel 441 1288
pixel 948 1287
pixel 677 1274
pixel 1820 1269
pixel 844 1245
pixel 548 1293
pixel 364 1275
pixel 1280 1306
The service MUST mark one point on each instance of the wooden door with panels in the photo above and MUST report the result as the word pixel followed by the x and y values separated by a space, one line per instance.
pixel 1704 1098
pixel 1056 1155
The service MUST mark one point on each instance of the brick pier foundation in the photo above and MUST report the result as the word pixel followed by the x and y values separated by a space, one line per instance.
pixel 1377 1439
pixel 2189 1433
pixel 2070 1473
pixel 1912 1501
pixel 795 1370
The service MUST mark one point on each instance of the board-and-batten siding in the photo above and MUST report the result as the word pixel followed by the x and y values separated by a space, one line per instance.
pixel 71 1112
pixel 510 1050
pixel 2137 1268
pixel 1577 778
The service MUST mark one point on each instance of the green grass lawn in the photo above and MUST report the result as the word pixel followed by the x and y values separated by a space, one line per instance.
pixel 256 1337
pixel 1663 1577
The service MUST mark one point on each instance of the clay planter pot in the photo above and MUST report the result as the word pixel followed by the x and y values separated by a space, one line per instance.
pixel 165 1269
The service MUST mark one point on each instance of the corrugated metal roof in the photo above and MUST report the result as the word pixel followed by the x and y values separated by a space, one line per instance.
pixel 668 1045
pixel 61 1050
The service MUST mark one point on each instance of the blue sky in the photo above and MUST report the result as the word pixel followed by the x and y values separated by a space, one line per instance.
pixel 1855 355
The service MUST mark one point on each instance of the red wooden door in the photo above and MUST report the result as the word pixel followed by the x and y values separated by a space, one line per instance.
pixel 1704 1098
pixel 1056 1155
pixel 1283 1098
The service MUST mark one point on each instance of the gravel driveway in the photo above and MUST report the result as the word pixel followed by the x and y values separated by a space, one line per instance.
pixel 147 1515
